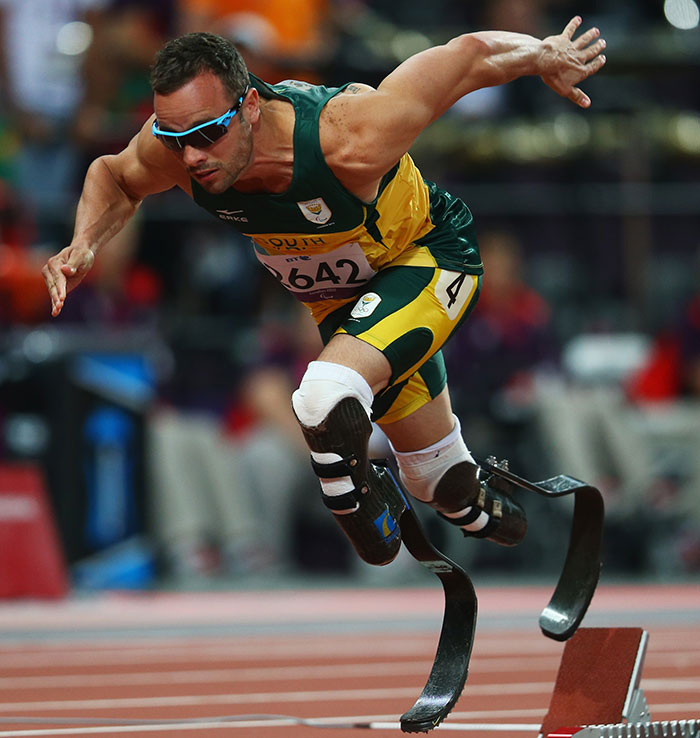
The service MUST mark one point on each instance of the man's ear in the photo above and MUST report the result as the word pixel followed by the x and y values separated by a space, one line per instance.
pixel 251 106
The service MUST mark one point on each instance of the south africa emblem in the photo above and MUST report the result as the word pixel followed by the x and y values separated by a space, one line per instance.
pixel 315 210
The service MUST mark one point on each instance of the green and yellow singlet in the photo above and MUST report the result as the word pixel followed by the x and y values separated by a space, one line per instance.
pixel 324 244
pixel 400 273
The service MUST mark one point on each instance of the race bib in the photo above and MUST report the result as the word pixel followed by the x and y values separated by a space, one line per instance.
pixel 334 275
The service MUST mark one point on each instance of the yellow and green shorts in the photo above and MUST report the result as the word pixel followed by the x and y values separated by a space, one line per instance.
pixel 408 313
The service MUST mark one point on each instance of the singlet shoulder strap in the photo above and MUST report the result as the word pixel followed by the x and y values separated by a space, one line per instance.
pixel 308 101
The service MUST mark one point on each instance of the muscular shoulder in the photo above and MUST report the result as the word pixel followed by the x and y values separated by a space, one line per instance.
pixel 345 131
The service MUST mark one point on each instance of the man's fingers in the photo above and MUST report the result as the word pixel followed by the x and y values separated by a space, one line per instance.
pixel 593 66
pixel 64 271
pixel 579 97
pixel 593 50
pixel 585 38
pixel 56 285
pixel 571 27
pixel 78 261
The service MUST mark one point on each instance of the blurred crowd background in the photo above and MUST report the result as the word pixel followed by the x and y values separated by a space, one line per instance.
pixel 156 407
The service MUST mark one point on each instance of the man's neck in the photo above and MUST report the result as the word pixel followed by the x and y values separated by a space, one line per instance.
pixel 272 165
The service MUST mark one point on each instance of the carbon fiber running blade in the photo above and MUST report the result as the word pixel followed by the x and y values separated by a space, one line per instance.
pixel 579 577
pixel 451 665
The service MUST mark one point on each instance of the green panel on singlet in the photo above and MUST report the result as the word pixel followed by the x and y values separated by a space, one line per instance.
pixel 257 213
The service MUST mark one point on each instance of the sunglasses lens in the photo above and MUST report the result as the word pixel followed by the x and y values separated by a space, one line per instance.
pixel 207 135
pixel 170 142
pixel 199 139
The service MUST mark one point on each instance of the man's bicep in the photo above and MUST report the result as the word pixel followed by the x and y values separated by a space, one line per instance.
pixel 141 169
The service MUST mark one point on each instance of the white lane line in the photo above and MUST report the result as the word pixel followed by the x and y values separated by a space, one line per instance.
pixel 378 693
pixel 261 652
pixel 211 676
pixel 656 685
pixel 378 725
pixel 282 673
pixel 315 671
pixel 266 673
pixel 375 721
pixel 671 684
pixel 151 651
pixel 678 653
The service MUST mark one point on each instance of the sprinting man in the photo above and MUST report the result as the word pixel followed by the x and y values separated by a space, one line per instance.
pixel 386 261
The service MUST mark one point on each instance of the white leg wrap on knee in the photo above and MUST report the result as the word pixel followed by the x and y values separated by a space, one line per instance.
pixel 422 470
pixel 322 387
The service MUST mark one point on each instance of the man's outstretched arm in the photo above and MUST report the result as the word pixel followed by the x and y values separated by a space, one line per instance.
pixel 113 189
pixel 383 123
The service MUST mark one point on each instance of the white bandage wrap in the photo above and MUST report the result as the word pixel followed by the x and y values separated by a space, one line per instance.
pixel 478 524
pixel 321 388
pixel 421 471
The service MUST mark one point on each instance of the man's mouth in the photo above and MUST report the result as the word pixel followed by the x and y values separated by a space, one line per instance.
pixel 203 174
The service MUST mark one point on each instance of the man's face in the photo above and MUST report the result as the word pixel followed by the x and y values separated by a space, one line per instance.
pixel 219 165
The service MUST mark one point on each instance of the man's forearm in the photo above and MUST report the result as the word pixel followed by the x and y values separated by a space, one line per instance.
pixel 501 56
pixel 104 208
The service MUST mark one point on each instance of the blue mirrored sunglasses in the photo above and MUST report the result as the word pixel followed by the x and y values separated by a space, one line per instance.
pixel 200 136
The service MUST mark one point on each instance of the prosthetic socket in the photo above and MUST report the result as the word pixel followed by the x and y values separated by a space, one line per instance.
pixel 369 513
pixel 461 486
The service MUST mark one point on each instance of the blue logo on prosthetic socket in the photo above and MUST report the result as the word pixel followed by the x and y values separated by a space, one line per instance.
pixel 387 526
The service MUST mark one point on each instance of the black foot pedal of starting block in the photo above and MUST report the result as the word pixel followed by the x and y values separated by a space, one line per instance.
pixel 451 665
pixel 579 577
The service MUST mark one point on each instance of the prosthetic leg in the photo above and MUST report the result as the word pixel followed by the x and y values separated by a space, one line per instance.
pixel 369 513
pixel 559 619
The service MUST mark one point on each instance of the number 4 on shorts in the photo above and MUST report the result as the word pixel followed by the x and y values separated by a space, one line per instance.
pixel 450 293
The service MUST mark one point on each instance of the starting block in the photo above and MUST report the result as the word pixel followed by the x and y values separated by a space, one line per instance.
pixel 597 690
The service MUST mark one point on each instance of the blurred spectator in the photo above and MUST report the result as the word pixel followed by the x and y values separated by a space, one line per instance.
pixel 115 71
pixel 41 48
pixel 493 360
pixel 689 339
pixel 278 39
pixel 666 396
pixel 22 295
pixel 229 491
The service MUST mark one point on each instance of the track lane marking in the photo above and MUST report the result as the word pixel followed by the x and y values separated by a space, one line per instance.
pixel 379 693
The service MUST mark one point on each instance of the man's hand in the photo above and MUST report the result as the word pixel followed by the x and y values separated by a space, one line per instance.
pixel 564 62
pixel 64 271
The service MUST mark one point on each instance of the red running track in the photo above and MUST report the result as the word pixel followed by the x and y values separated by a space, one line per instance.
pixel 336 656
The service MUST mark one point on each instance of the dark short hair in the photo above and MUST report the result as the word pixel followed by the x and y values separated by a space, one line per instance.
pixel 184 58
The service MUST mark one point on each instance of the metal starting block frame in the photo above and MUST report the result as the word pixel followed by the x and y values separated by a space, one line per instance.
pixel 559 620
pixel 598 682
pixel 662 729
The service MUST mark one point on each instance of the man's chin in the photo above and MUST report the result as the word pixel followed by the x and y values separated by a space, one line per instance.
pixel 215 186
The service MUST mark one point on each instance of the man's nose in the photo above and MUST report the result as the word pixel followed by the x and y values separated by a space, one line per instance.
pixel 192 156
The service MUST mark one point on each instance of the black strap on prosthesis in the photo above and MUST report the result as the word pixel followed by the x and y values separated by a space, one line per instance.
pixel 559 620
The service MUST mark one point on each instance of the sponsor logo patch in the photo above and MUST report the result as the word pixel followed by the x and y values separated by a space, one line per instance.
pixel 232 215
pixel 366 305
pixel 387 526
